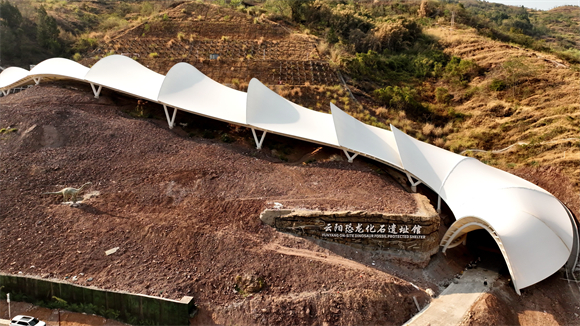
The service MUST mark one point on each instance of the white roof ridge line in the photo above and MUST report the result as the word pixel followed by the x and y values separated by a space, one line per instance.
pixel 451 171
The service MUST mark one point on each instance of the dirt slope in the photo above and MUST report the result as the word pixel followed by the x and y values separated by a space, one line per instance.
pixel 554 302
pixel 184 213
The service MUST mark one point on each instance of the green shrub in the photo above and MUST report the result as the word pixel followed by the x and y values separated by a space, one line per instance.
pixel 153 55
pixel 571 55
pixel 226 138
pixel 497 85
pixel 402 98
pixel 442 95
pixel 147 9
pixel 85 43
pixel 208 134
pixel 77 56
pixel 471 92
pixel 459 71
pixel 113 22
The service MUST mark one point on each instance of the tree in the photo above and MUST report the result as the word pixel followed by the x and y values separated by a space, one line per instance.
pixel 47 32
pixel 297 8
pixel 515 69
pixel 10 16
pixel 11 32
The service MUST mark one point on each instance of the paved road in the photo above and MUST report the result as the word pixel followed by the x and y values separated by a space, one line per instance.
pixel 454 302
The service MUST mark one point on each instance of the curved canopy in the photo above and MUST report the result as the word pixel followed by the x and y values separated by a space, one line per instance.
pixel 13 77
pixel 529 226
pixel 479 178
pixel 188 89
pixel 269 111
pixel 429 163
pixel 126 75
pixel 361 138
pixel 60 67
pixel 532 227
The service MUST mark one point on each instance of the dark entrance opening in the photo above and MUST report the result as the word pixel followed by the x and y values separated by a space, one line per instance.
pixel 486 252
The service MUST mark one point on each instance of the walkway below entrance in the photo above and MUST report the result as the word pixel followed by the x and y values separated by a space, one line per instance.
pixel 449 308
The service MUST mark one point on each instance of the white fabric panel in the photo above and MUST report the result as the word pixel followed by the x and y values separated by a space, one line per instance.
pixel 269 111
pixel 367 140
pixel 429 163
pixel 541 205
pixel 60 67
pixel 126 75
pixel 534 250
pixel 479 178
pixel 12 77
pixel 188 89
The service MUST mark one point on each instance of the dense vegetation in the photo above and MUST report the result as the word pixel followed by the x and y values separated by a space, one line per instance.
pixel 34 30
pixel 386 51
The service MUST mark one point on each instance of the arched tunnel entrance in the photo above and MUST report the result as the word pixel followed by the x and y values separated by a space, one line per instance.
pixel 479 238
pixel 486 251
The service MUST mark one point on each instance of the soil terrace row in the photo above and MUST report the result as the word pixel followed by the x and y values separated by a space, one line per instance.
pixel 228 46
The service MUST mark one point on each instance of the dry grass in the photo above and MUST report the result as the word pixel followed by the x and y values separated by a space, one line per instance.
pixel 382 112
pixel 427 129
pixel 544 109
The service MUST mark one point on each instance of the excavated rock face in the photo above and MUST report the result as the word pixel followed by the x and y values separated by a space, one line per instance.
pixel 414 237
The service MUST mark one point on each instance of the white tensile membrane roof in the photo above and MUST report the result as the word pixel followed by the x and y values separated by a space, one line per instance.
pixel 531 227
pixel 534 230
pixel 60 68
pixel 13 77
pixel 366 140
pixel 126 75
pixel 188 89
pixel 268 111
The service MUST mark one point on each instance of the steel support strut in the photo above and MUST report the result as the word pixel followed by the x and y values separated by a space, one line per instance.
pixel 96 91
pixel 261 141
pixel 349 157
pixel 414 184
pixel 37 80
pixel 170 121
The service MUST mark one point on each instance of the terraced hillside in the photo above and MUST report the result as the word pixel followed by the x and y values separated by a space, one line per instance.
pixel 227 45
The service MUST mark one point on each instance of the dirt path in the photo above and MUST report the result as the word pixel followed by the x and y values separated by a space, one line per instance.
pixel 456 301
pixel 312 255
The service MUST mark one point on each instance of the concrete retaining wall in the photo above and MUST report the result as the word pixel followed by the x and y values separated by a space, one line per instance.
pixel 147 308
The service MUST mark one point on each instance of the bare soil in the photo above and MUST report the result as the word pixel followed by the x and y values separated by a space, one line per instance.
pixel 552 302
pixel 184 213
pixel 184 210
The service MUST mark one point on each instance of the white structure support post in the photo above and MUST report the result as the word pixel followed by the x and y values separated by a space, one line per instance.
pixel 349 157
pixel 6 92
pixel 170 121
pixel 37 80
pixel 439 204
pixel 259 142
pixel 96 91
pixel 413 183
